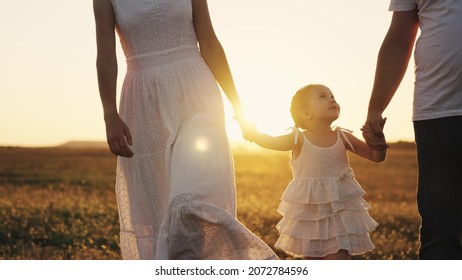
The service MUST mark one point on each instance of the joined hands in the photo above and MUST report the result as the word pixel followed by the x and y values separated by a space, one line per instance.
pixel 372 132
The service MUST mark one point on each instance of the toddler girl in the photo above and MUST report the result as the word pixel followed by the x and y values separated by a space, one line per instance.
pixel 324 214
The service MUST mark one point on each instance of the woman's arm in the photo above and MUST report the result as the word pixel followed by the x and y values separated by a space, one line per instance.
pixel 363 150
pixel 213 53
pixel 117 132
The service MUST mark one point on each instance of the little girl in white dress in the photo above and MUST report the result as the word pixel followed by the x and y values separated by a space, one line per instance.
pixel 324 214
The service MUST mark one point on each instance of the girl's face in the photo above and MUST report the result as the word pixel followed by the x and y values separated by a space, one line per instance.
pixel 322 105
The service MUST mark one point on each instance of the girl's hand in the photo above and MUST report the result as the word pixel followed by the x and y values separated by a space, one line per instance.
pixel 375 141
pixel 249 132
pixel 118 137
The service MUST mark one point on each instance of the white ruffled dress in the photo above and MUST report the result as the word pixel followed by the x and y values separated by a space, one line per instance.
pixel 323 209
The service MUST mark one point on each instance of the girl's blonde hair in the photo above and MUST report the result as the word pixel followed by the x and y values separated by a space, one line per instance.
pixel 299 102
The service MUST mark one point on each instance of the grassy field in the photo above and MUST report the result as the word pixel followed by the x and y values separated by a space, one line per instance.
pixel 59 203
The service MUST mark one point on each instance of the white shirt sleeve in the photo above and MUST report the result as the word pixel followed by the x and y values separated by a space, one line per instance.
pixel 402 5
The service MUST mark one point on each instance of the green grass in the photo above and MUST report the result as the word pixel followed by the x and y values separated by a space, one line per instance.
pixel 60 203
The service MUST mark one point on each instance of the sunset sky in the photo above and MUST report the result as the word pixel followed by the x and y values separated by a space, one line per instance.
pixel 49 91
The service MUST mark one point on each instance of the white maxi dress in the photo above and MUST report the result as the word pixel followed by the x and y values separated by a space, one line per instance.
pixel 176 196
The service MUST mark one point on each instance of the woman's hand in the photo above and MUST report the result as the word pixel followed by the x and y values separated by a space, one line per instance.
pixel 248 128
pixel 118 136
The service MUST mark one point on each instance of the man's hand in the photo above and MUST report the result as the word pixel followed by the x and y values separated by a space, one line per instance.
pixel 373 132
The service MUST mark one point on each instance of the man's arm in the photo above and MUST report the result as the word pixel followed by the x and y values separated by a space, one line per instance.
pixel 392 63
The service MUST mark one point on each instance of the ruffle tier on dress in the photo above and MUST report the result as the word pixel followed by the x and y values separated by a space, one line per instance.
pixel 324 215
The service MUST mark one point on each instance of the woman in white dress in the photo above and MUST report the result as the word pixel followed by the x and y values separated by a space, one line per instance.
pixel 175 177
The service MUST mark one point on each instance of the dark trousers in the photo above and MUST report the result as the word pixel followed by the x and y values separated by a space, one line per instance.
pixel 439 194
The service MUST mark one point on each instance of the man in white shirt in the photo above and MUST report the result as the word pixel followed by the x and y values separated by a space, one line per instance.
pixel 437 112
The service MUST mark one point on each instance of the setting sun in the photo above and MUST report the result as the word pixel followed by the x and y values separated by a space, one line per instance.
pixel 115 143
pixel 51 92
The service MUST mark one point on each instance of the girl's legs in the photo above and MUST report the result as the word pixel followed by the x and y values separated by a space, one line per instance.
pixel 340 255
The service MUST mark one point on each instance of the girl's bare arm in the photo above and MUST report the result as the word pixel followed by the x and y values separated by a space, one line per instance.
pixel 279 143
pixel 363 150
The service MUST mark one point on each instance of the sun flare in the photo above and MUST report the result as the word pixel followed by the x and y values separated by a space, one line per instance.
pixel 202 144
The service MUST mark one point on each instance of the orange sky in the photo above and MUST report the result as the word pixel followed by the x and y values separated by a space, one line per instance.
pixel 49 90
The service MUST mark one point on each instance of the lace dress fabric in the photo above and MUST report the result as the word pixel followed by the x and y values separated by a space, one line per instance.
pixel 176 196
pixel 323 209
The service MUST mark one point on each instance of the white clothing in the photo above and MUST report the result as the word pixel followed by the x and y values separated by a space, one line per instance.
pixel 323 209
pixel 176 196
pixel 438 57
